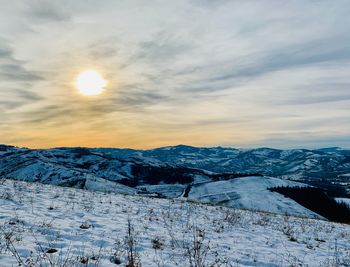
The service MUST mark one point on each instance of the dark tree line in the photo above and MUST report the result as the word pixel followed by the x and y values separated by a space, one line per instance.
pixel 153 175
pixel 332 189
pixel 316 200
pixel 231 175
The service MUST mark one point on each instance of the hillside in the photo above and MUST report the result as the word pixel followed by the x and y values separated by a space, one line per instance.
pixel 44 224
pixel 250 193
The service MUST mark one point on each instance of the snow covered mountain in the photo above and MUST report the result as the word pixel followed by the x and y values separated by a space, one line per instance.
pixel 200 174
pixel 326 163
pixel 294 163
pixel 79 167
pixel 328 168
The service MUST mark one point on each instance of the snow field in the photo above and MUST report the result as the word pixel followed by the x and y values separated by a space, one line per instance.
pixel 43 225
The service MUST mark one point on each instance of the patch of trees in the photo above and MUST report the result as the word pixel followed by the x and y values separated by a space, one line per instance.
pixel 346 159
pixel 4 148
pixel 76 183
pixel 128 182
pixel 154 175
pixel 231 175
pixel 332 187
pixel 316 200
pixel 80 151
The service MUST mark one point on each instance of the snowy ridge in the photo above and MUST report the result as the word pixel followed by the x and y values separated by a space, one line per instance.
pixel 329 163
pixel 322 163
pixel 175 172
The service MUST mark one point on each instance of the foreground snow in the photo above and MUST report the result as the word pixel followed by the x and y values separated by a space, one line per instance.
pixel 48 224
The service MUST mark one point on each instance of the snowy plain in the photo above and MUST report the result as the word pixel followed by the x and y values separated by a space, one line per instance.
pixel 44 224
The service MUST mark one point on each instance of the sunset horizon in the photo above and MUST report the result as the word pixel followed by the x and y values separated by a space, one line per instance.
pixel 111 74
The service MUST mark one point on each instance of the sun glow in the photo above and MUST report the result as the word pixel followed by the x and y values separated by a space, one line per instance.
pixel 90 83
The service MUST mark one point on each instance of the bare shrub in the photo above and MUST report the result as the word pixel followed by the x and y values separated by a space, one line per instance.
pixel 337 259
pixel 85 225
pixel 117 252
pixel 7 196
pixel 130 242
pixel 232 216
pixel 10 239
pixel 197 249
pixel 264 219
pixel 157 243
pixel 287 227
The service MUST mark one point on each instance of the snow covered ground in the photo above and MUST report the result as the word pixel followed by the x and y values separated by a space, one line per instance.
pixel 251 193
pixel 59 226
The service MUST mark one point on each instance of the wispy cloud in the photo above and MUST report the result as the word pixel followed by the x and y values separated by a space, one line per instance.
pixel 244 72
pixel 42 10
pixel 12 68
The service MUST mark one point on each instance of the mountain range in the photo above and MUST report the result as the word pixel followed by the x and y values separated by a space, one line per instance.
pixel 220 175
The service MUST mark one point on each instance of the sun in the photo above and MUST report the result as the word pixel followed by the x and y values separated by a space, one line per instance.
pixel 90 83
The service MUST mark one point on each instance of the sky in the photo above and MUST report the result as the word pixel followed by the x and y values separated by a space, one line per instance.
pixel 238 73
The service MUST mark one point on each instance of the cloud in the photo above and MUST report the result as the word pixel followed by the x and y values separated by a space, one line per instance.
pixel 162 47
pixel 139 98
pixel 13 69
pixel 305 140
pixel 8 105
pixel 288 59
pixel 19 98
pixel 28 95
pixel 49 11
pixel 46 114
pixel 5 53
pixel 228 68
pixel 102 50
pixel 16 72
pixel 209 3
